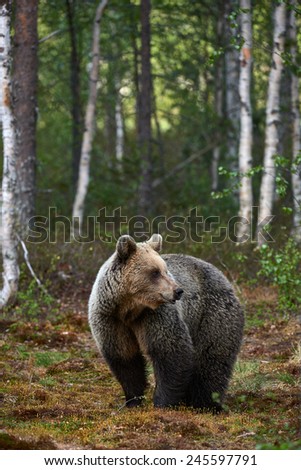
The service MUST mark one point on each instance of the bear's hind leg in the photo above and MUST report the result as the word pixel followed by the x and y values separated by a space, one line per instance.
pixel 208 386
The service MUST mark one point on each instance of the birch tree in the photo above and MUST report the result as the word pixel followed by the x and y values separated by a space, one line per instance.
pixel 246 135
pixel 296 134
pixel 9 179
pixel 84 165
pixel 267 188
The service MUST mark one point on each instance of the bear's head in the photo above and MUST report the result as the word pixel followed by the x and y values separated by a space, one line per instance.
pixel 146 281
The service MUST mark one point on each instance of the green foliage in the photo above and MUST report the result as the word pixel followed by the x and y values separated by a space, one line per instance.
pixel 33 300
pixel 282 269
pixel 248 378
pixel 234 178
pixel 283 176
pixel 285 169
pixel 287 378
pixel 287 445
pixel 47 358
pixel 185 50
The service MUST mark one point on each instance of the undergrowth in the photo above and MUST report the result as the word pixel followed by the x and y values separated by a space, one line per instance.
pixel 282 269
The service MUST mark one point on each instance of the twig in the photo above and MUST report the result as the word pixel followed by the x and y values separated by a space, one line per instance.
pixel 51 35
pixel 128 401
pixel 247 434
pixel 181 165
pixel 26 257
pixel 229 272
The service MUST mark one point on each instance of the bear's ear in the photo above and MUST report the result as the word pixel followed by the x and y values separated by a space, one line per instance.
pixel 155 242
pixel 126 246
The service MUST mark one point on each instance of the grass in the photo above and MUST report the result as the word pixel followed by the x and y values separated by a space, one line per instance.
pixel 56 392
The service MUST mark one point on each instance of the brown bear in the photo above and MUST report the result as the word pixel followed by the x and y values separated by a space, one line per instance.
pixel 176 310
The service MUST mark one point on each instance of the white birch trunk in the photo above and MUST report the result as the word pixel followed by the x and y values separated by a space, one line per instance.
pixel 246 135
pixel 296 137
pixel 9 180
pixel 119 129
pixel 84 165
pixel 1 101
pixel 267 188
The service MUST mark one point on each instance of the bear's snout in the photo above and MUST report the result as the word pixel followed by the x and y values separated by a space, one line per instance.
pixel 178 293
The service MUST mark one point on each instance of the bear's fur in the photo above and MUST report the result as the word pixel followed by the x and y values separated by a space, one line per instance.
pixel 137 310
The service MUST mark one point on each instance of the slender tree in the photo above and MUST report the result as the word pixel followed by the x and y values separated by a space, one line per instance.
pixel 246 132
pixel 145 108
pixel 232 79
pixel 267 188
pixel 159 137
pixel 9 179
pixel 76 108
pixel 24 81
pixel 136 71
pixel 84 166
pixel 119 124
pixel 218 102
pixel 296 137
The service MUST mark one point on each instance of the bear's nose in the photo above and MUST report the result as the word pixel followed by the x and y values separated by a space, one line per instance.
pixel 178 293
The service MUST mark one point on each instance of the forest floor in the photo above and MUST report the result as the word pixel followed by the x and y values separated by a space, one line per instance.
pixel 57 393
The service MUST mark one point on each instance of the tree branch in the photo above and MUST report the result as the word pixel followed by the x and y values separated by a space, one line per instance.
pixel 51 35
pixel 182 165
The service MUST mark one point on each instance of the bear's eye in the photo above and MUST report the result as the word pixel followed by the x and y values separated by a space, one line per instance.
pixel 155 274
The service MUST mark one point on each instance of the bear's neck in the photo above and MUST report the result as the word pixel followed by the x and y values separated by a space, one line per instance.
pixel 128 310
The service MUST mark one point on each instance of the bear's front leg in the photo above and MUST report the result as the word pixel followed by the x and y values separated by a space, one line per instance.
pixel 166 339
pixel 131 375
pixel 121 351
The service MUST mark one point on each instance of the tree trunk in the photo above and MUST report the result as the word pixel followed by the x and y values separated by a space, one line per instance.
pixel 76 110
pixel 9 179
pixel 136 77
pixel 84 166
pixel 145 136
pixel 119 141
pixel 24 80
pixel 159 139
pixel 218 103
pixel 267 188
pixel 232 92
pixel 296 137
pixel 246 134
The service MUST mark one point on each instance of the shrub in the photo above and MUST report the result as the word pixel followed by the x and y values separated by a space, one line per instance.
pixel 282 269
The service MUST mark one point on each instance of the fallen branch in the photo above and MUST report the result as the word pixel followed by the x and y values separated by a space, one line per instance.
pixel 26 258
pixel 128 401
pixel 247 434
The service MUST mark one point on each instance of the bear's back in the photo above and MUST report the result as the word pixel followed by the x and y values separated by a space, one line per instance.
pixel 208 298
pixel 195 274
